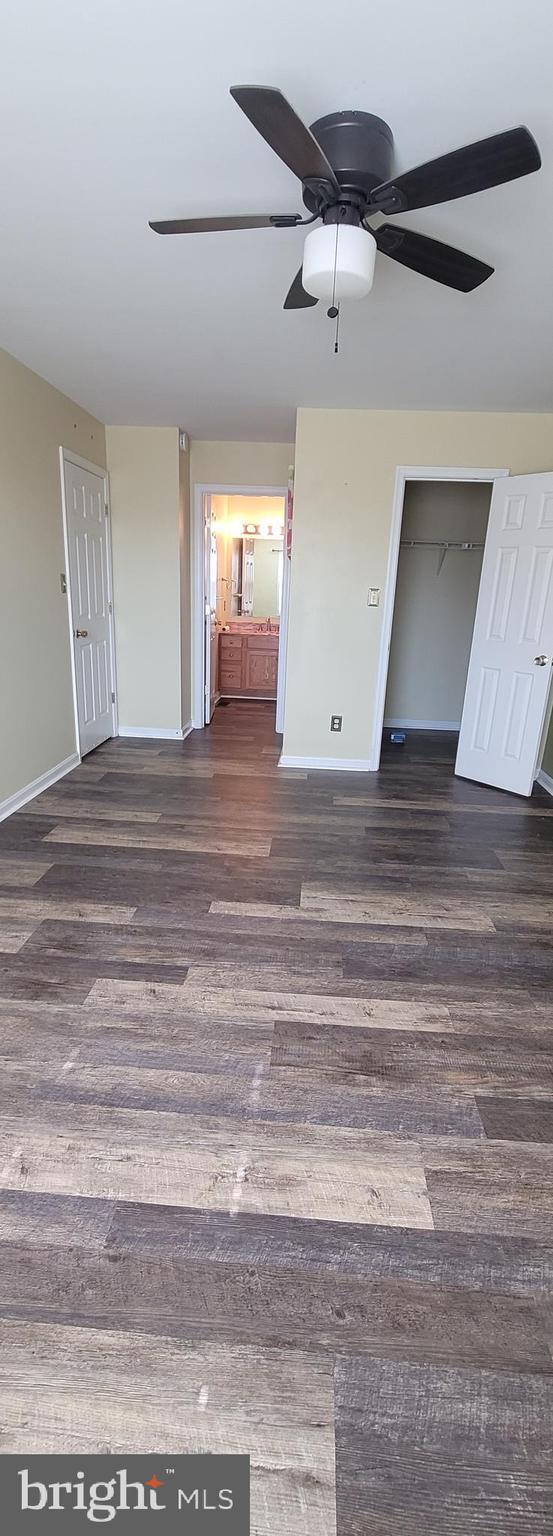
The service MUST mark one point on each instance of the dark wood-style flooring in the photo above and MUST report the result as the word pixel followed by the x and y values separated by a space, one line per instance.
pixel 277 1129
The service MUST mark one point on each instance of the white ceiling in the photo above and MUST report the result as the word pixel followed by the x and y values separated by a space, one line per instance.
pixel 116 111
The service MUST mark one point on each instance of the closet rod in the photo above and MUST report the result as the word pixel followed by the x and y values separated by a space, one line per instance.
pixel 440 544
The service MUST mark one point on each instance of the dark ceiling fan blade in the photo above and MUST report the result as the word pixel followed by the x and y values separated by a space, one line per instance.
pixel 283 130
pixel 297 296
pixel 234 221
pixel 488 163
pixel 432 258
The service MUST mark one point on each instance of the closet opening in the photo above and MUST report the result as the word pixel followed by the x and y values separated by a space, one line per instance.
pixel 441 548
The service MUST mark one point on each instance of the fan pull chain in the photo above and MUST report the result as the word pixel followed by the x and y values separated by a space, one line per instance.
pixel 334 311
pixel 333 305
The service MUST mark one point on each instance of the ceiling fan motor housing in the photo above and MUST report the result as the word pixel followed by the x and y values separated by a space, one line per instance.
pixel 359 147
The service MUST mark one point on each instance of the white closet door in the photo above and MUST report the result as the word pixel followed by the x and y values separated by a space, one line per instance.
pixel 509 672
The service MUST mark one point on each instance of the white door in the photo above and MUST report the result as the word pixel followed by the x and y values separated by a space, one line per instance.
pixel 211 632
pixel 87 534
pixel 509 671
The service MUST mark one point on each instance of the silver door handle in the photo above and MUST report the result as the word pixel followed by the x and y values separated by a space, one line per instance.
pixel 81 634
pixel 541 661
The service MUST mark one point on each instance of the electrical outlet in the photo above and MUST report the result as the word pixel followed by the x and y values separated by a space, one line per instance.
pixel 335 722
pixel 373 597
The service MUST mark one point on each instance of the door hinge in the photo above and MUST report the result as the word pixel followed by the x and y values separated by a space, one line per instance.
pixel 106 509
pixel 113 698
pixel 110 607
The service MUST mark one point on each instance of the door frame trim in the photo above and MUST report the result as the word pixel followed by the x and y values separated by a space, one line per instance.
pixel 198 584
pixel 405 472
pixel 67 456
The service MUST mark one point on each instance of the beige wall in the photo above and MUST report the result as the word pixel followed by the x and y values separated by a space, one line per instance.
pixel 434 611
pixel 344 485
pixel 146 498
pixel 247 509
pixel 224 464
pixel 37 725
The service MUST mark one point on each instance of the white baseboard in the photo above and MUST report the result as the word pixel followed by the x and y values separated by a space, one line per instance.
pixel 545 780
pixel 423 725
pixel 157 732
pixel 331 764
pixel 22 796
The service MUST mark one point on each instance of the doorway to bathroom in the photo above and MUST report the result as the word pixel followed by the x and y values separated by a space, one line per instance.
pixel 242 570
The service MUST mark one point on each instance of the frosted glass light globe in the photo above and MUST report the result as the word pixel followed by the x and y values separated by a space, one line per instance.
pixel 354 257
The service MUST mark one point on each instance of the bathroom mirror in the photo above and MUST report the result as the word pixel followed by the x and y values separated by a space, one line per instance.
pixel 256 577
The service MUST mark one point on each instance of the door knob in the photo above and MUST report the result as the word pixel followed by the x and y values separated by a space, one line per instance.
pixel 541 661
pixel 81 634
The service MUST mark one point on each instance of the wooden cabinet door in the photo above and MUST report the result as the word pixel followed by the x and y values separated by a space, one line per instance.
pixel 261 671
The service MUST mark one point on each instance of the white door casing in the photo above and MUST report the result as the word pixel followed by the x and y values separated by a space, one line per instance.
pixel 283 642
pixel 91 604
pixel 509 672
pixel 211 632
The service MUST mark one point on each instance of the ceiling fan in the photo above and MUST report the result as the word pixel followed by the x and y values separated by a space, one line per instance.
pixel 344 163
